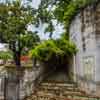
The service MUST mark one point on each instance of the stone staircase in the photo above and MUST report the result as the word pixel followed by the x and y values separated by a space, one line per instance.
pixel 59 91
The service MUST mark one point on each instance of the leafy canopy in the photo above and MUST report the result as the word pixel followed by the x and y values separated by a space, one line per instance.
pixel 61 10
pixel 14 21
pixel 50 48
pixel 15 18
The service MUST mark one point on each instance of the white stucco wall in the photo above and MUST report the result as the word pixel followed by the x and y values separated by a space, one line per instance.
pixel 75 36
pixel 97 59
pixel 86 62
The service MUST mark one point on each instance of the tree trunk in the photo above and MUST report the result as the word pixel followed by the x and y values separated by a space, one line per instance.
pixel 17 58
pixel 34 62
pixel 16 53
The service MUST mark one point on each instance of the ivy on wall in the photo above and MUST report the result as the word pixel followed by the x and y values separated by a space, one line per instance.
pixel 72 9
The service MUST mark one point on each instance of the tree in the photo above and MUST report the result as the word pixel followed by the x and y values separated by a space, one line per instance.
pixel 61 10
pixel 14 20
pixel 29 41
pixel 45 15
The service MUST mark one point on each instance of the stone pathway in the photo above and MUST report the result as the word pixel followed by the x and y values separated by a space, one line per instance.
pixel 59 91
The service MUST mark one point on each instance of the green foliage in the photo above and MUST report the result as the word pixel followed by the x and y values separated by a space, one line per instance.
pixel 5 55
pixel 50 29
pixel 53 48
pixel 72 9
pixel 68 11
pixel 64 10
pixel 45 15
pixel 28 41
pixel 14 21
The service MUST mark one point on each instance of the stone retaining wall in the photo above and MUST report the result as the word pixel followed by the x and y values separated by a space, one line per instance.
pixel 20 83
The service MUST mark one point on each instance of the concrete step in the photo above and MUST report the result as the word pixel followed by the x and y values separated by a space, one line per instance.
pixel 48 97
pixel 85 97
pixel 59 91
pixel 51 97
pixel 58 88
pixel 59 84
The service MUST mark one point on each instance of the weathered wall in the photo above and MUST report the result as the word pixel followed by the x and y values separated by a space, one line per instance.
pixel 75 35
pixel 85 32
pixel 97 28
pixel 27 82
pixel 15 85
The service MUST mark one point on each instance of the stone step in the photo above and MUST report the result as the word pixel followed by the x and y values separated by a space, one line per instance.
pixel 58 84
pixel 86 97
pixel 49 97
pixel 58 88
pixel 59 91
pixel 55 90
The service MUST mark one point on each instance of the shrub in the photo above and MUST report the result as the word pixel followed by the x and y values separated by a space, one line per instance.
pixel 50 48
pixel 5 55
